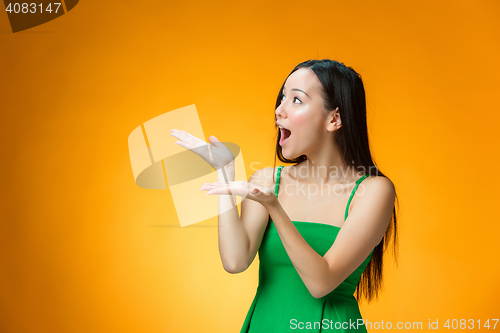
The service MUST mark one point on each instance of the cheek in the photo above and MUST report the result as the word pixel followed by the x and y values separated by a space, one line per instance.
pixel 300 119
pixel 301 122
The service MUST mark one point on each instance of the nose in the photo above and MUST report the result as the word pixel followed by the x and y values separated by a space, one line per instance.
pixel 280 111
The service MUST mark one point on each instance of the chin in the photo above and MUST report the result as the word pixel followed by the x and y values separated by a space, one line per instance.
pixel 288 156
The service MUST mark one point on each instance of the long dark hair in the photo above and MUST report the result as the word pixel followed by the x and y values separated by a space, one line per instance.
pixel 343 88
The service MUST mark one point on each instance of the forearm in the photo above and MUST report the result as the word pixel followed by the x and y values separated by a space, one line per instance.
pixel 313 269
pixel 233 239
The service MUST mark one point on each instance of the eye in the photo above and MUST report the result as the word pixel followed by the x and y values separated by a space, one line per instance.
pixel 295 98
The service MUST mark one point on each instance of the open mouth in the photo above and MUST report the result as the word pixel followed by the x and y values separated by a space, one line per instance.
pixel 285 135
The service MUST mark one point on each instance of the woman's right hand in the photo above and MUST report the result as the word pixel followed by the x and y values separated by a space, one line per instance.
pixel 217 156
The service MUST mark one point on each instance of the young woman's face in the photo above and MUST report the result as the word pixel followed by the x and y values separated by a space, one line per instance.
pixel 301 112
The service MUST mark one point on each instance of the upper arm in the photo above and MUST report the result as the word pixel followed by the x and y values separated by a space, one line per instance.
pixel 363 229
pixel 254 216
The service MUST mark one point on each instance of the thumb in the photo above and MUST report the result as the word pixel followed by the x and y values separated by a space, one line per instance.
pixel 213 140
pixel 255 191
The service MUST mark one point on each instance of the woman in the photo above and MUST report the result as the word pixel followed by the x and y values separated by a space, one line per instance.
pixel 321 226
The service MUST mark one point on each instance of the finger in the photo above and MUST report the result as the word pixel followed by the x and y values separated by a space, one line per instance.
pixel 182 144
pixel 214 141
pixel 185 143
pixel 221 189
pixel 210 154
pixel 197 142
pixel 188 138
pixel 178 136
pixel 209 186
pixel 216 186
pixel 220 186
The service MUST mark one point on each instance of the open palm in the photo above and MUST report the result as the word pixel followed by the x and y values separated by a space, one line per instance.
pixel 215 154
pixel 263 195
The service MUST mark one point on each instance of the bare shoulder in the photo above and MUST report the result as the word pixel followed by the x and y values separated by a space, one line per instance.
pixel 377 194
pixel 379 185
pixel 376 199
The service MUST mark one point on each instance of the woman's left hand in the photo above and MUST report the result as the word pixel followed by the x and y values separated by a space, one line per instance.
pixel 263 195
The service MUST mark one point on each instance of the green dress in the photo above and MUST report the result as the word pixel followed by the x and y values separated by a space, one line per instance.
pixel 284 304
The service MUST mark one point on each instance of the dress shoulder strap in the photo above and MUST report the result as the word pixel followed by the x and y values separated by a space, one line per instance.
pixel 278 180
pixel 352 194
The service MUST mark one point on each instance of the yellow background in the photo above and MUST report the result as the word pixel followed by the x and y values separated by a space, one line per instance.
pixel 84 249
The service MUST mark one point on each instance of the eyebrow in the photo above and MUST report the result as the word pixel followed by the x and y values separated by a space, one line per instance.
pixel 296 90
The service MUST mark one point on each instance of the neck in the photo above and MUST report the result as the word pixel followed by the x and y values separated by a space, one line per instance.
pixel 324 165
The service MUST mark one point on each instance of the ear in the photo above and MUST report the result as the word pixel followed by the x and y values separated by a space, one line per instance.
pixel 334 121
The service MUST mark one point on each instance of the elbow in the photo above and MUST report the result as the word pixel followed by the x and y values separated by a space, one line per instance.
pixel 233 271
pixel 317 292
pixel 322 291
pixel 234 268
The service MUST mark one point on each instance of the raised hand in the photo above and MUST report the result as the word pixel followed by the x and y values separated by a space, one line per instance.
pixel 262 195
pixel 215 154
